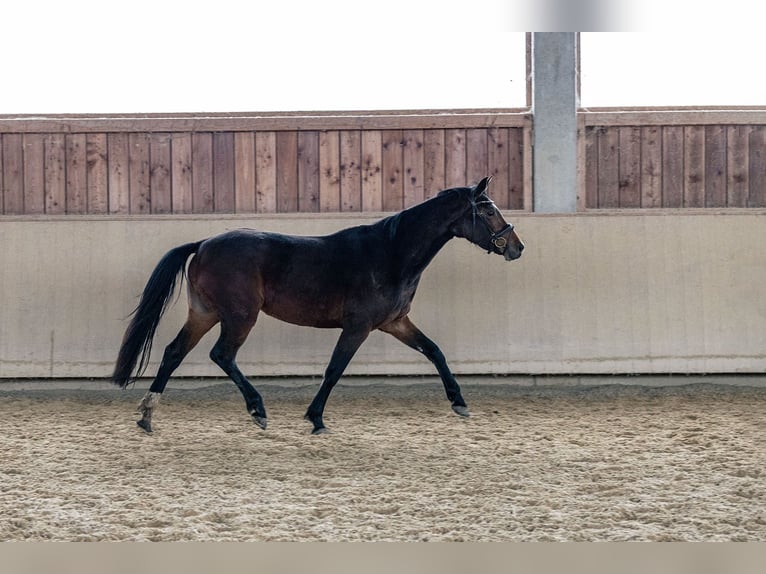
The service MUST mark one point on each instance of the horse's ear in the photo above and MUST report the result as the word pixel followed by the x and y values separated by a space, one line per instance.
pixel 482 186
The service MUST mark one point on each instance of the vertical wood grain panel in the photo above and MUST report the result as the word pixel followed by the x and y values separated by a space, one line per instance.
pixel 138 166
pixel 651 166
pixel 372 170
pixel 329 171
pixel 672 166
pixel 757 167
pixel 351 170
pixel 630 166
pixel 13 174
pixel 55 174
pixel 181 179
pixel 308 171
pixel 433 168
pixel 393 186
pixel 76 174
pixel 455 158
pixel 159 173
pixel 498 166
pixel 34 174
pixel 96 153
pixel 413 164
pixel 118 175
pixel 591 167
pixel 608 168
pixel 266 172
pixel 476 156
pixel 517 170
pixel 737 166
pixel 223 172
pixel 202 173
pixel 715 166
pixel 244 172
pixel 287 172
pixel 694 166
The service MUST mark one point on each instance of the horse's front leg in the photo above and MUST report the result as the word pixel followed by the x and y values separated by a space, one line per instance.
pixel 404 330
pixel 349 342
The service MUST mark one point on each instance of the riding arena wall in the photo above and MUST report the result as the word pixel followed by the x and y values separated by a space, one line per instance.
pixel 661 269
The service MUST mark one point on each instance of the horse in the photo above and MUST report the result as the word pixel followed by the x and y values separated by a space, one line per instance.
pixel 357 280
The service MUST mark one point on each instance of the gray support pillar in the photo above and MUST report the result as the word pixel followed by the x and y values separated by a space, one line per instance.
pixel 554 105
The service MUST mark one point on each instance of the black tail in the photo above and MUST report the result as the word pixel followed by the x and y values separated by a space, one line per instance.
pixel 154 301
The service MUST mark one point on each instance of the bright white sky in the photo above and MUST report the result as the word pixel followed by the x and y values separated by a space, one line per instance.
pixel 89 56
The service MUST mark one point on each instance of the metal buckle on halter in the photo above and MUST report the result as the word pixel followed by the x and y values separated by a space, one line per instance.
pixel 500 242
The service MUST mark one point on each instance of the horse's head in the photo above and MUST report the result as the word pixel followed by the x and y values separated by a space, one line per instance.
pixel 482 224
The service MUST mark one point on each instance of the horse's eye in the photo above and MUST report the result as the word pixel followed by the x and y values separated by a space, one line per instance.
pixel 490 212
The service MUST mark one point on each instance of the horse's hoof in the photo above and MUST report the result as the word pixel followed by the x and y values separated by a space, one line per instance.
pixel 321 430
pixel 260 421
pixel 461 410
pixel 146 425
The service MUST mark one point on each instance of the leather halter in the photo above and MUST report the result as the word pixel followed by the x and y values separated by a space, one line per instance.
pixel 496 238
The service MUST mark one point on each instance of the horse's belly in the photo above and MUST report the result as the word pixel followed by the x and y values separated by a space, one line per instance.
pixel 308 314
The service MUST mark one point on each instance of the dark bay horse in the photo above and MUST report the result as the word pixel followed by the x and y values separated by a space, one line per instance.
pixel 358 280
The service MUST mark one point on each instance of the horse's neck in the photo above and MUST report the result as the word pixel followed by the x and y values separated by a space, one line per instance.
pixel 421 231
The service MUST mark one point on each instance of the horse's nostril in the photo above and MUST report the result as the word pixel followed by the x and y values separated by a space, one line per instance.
pixel 521 247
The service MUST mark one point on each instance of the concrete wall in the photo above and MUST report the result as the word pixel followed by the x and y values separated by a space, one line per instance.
pixel 627 293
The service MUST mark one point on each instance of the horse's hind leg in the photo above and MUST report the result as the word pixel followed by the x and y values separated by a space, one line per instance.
pixel 404 330
pixel 234 331
pixel 195 327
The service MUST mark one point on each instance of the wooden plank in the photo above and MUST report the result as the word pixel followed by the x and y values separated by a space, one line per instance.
pixel 675 117
pixel 757 167
pixel 308 171
pixel 223 173
pixel 76 174
pixel 266 172
pixel 630 166
pixel 181 179
pixel 372 171
pixel 287 172
pixel 202 173
pixel 590 181
pixel 138 173
pixel 651 166
pixel 433 158
pixel 393 184
pixel 476 156
pixel 160 166
pixel 715 166
pixel 244 172
pixel 329 171
pixel 96 154
pixel 672 166
pixel 608 168
pixel 527 152
pixel 516 170
pixel 455 158
pixel 351 170
pixel 694 166
pixel 13 174
pixel 118 176
pixel 413 166
pixel 34 174
pixel 55 174
pixel 737 166
pixel 499 167
pixel 281 121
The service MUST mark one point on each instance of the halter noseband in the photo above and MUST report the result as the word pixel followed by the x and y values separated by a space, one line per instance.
pixel 496 238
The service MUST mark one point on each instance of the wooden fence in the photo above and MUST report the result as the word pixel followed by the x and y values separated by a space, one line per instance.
pixel 671 159
pixel 280 163
pixel 377 161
